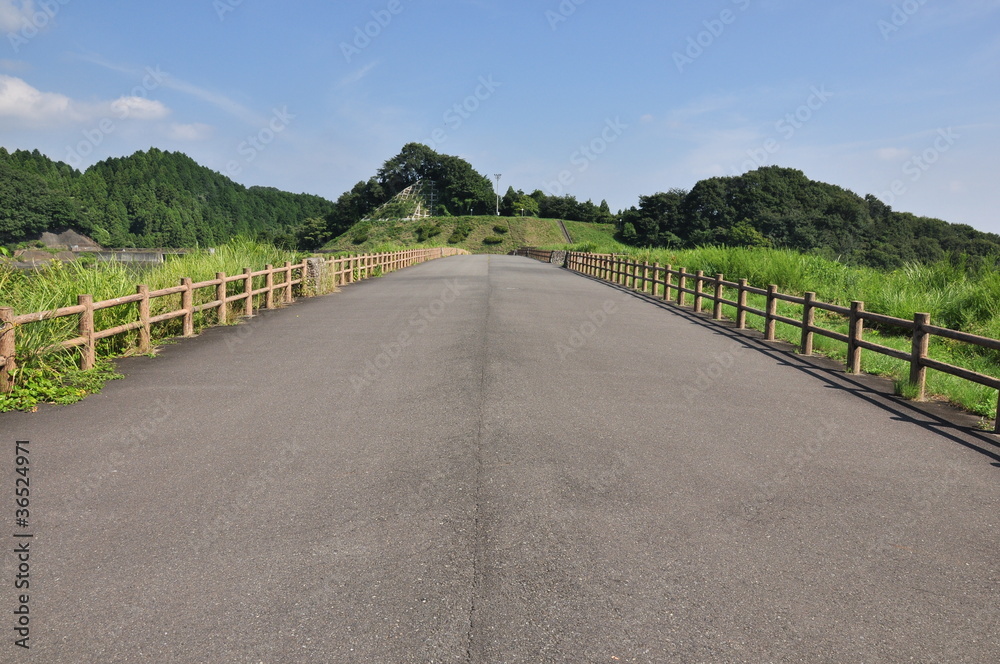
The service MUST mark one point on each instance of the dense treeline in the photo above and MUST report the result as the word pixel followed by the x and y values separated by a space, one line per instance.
pixel 781 207
pixel 163 199
pixel 150 199
pixel 539 204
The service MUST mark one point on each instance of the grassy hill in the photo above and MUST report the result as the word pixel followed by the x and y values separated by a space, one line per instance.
pixel 478 234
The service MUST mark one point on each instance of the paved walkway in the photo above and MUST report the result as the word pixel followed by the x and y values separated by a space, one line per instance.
pixel 488 459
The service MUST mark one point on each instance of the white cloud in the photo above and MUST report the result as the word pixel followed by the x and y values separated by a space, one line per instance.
pixel 13 14
pixel 190 132
pixel 31 107
pixel 139 108
pixel 24 106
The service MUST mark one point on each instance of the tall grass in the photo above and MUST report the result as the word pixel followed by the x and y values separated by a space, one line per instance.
pixel 58 284
pixel 955 295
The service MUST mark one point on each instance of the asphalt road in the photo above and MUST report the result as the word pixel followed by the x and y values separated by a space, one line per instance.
pixel 491 460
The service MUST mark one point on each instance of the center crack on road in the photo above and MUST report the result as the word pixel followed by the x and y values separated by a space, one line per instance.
pixel 478 534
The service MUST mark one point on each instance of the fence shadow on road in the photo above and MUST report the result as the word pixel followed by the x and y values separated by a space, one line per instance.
pixel 942 419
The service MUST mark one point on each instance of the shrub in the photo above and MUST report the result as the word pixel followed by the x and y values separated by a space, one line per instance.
pixel 460 234
pixel 492 239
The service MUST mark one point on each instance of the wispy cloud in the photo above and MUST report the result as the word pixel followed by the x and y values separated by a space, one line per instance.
pixel 358 75
pixel 219 100
pixel 966 11
pixel 190 132
pixel 17 66
pixel 892 154
pixel 169 81
pixel 13 14
pixel 699 108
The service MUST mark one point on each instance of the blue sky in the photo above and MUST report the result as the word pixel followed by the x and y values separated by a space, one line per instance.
pixel 597 99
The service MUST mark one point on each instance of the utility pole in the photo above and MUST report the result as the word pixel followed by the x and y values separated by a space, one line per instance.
pixel 497 176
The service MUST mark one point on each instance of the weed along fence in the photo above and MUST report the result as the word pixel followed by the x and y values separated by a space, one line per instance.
pixel 224 296
pixel 677 284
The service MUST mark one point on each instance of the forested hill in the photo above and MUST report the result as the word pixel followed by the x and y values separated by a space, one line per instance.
pixel 781 207
pixel 149 199
pixel 163 199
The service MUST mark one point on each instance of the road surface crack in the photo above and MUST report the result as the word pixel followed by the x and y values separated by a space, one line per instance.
pixel 478 532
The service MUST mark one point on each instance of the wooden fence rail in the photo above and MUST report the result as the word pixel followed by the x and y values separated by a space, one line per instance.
pixel 334 272
pixel 676 285
pixel 531 252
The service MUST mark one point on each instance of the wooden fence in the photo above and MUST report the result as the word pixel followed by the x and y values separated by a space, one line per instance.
pixel 531 252
pixel 280 284
pixel 677 284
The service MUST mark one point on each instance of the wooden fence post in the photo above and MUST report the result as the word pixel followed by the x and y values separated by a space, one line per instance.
pixel 719 293
pixel 668 282
pixel 772 311
pixel 645 276
pixel 248 292
pixel 187 304
pixel 88 354
pixel 808 323
pixel 220 295
pixel 699 286
pixel 855 334
pixel 921 345
pixel 741 307
pixel 269 285
pixel 305 290
pixel 681 285
pixel 288 282
pixel 7 348
pixel 996 423
pixel 656 279
pixel 145 332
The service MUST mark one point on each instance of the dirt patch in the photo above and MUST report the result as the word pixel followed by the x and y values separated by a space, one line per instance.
pixel 69 240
